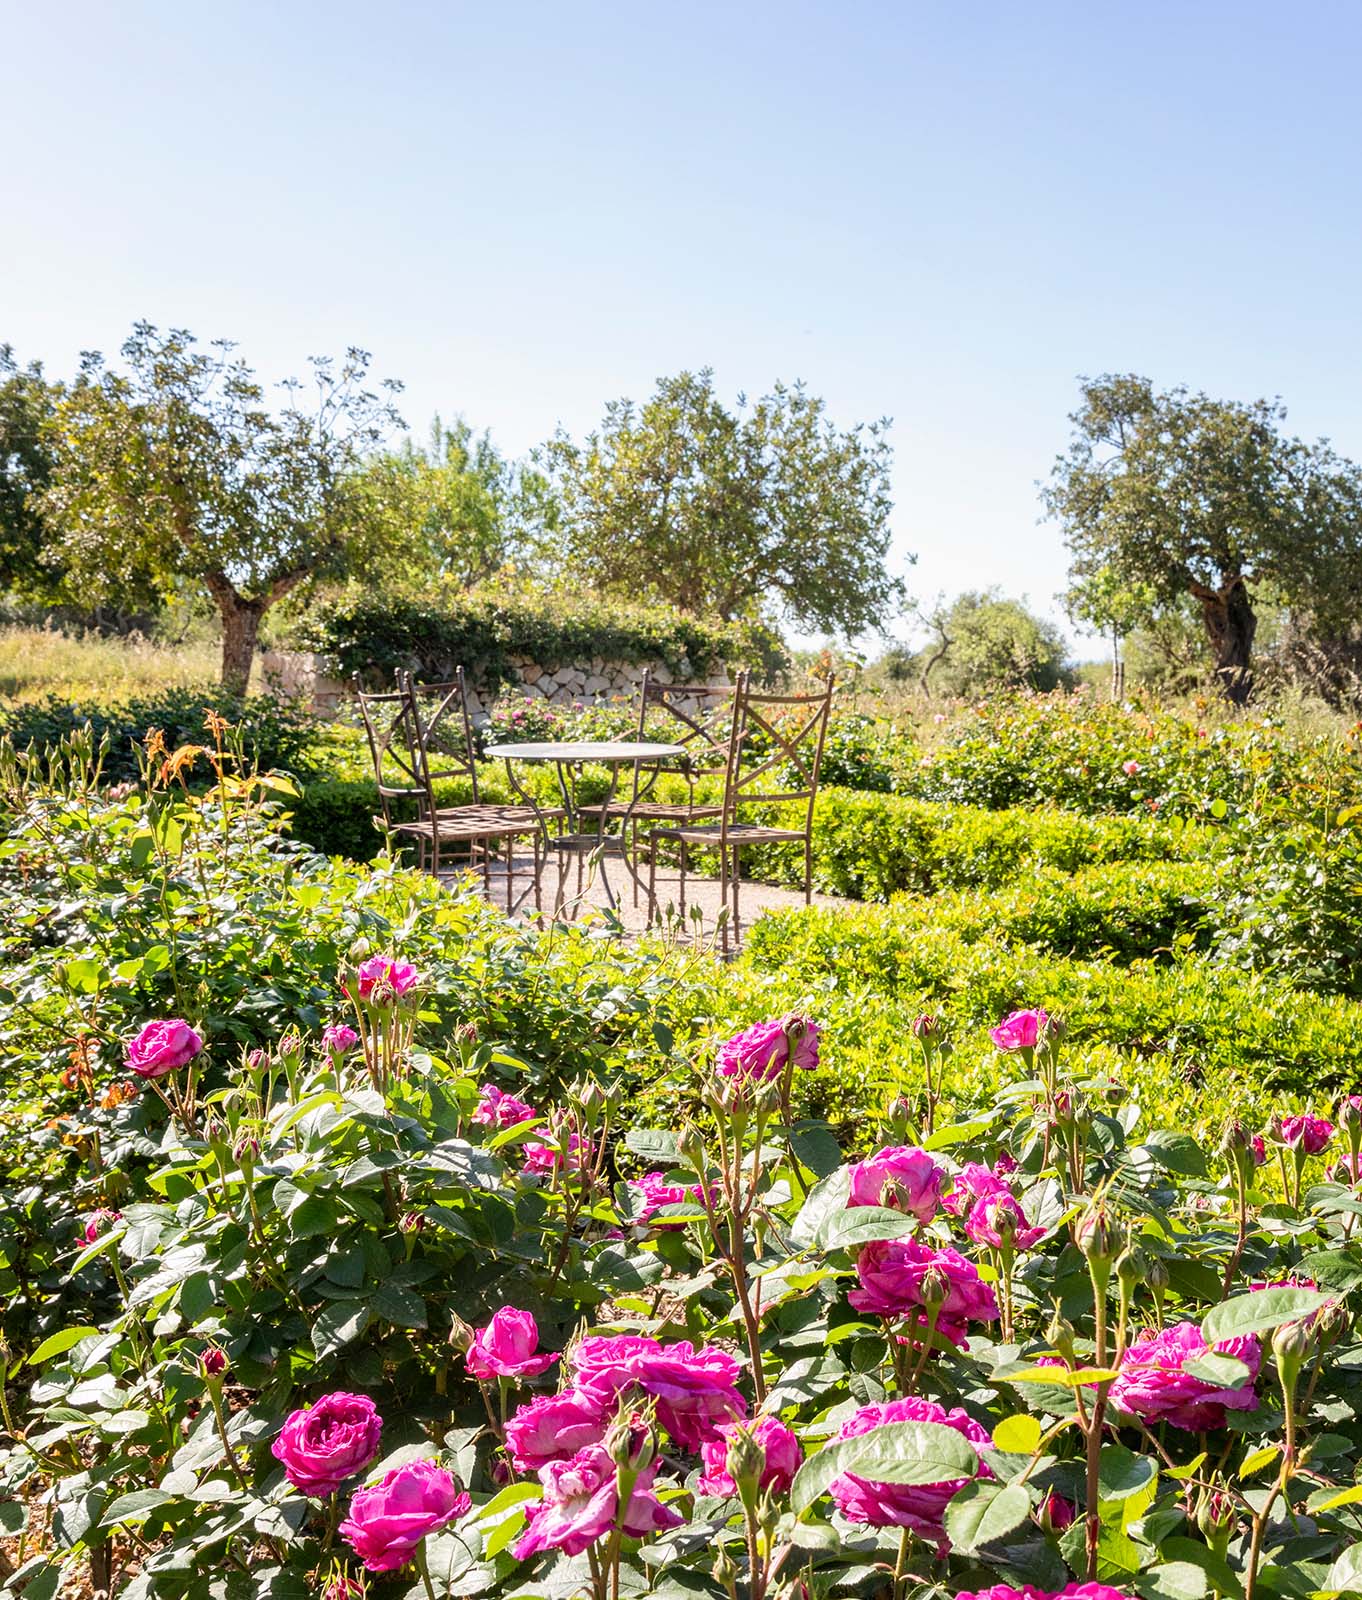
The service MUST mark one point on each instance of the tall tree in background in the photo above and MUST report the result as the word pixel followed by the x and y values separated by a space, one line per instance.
pixel 985 641
pixel 179 466
pixel 457 509
pixel 1187 496
pixel 726 514
pixel 27 401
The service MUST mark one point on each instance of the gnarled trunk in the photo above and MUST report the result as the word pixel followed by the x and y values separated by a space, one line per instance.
pixel 1230 624
pixel 240 631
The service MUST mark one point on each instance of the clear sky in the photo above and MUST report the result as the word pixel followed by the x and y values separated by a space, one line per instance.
pixel 943 213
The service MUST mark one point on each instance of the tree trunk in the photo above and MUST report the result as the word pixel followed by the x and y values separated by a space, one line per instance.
pixel 1118 667
pixel 240 630
pixel 1227 614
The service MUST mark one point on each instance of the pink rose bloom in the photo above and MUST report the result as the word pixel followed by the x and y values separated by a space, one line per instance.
pixel 1005 1163
pixel 1130 768
pixel 1070 1591
pixel 763 1050
pixel 919 1506
pixel 555 1426
pixel 323 1445
pixel 1259 1147
pixel 506 1347
pixel 783 1457
pixel 1020 1031
pixel 655 1192
pixel 338 1038
pixel 546 1159
pixel 160 1047
pixel 998 1221
pixel 695 1389
pixel 1153 1386
pixel 389 1519
pixel 1309 1134
pixel 901 1177
pixel 892 1274
pixel 97 1221
pixel 499 1110
pixel 972 1183
pixel 581 1505
pixel 384 979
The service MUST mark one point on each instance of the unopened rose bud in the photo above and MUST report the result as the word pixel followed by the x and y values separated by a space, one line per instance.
pixel 1060 1335
pixel 246 1151
pixel 934 1288
pixel 1099 1237
pixel 630 1442
pixel 213 1362
pixel 258 1060
pixel 725 1572
pixel 1350 1113
pixel 467 1033
pixel 1131 1266
pixel 1156 1275
pixel 1216 1517
pixel 745 1461
pixel 1291 1343
pixel 340 1586
pixel 411 1222
pixel 1056 1513
pixel 926 1025
pixel 215 1130
pixel 1234 1137
pixel 290 1045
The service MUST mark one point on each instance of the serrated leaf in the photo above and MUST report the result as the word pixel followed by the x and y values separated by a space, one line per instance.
pixel 59 1343
pixel 981 1513
pixel 1259 1311
pixel 897 1452
pixel 1256 1460
pixel 1018 1435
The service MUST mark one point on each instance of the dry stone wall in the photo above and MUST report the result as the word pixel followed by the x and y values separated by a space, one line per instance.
pixel 296 674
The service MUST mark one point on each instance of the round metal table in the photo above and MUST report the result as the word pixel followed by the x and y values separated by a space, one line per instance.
pixel 568 757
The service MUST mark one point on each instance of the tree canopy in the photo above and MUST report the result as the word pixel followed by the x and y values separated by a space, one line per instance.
pixel 27 400
pixel 768 509
pixel 1166 496
pixel 983 640
pixel 178 466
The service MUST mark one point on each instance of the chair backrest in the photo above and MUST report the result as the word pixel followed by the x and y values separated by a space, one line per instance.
pixel 444 732
pixel 698 717
pixel 394 746
pixel 775 736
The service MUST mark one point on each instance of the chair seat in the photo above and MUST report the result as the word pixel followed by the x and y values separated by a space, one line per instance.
pixel 515 814
pixel 738 833
pixel 653 810
pixel 470 822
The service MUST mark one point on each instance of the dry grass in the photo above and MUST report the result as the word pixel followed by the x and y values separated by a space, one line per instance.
pixel 37 662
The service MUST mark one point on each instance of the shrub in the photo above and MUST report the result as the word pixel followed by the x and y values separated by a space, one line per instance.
pixel 376 633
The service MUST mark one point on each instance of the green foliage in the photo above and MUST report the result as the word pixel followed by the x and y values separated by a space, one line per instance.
pixel 176 469
pixel 27 400
pixel 770 510
pixel 276 734
pixel 986 642
pixel 1165 497
pixel 433 631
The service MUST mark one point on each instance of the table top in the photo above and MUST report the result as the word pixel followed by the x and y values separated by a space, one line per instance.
pixel 605 751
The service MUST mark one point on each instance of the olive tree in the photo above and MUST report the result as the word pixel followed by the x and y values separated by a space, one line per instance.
pixel 178 465
pixel 766 509
pixel 1176 495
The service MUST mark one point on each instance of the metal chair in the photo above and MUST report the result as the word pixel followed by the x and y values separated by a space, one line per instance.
pixel 699 717
pixel 794 727
pixel 401 738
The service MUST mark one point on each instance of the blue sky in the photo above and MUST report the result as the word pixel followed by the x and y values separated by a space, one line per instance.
pixel 942 213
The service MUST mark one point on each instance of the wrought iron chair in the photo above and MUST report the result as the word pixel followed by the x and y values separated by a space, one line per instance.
pixel 793 728
pixel 699 717
pixel 404 727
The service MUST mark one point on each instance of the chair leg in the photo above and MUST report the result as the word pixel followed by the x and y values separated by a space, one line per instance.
pixel 510 872
pixel 682 889
pixel 737 908
pixel 808 871
pixel 723 899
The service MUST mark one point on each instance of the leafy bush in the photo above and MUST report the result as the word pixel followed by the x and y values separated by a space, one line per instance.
pixel 276 734
pixel 1028 1344
pixel 372 633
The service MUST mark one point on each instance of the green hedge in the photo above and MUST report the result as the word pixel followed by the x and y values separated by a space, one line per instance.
pixel 361 630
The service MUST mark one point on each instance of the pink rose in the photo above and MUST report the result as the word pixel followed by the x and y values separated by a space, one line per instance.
pixel 1259 1147
pixel 547 1158
pixel 506 1347
pixel 781 1454
pixel 695 1388
pixel 972 1183
pixel 338 1038
pixel 498 1110
pixel 389 1519
pixel 555 1426
pixel 323 1445
pixel 919 1506
pixel 1130 768
pixel 997 1220
pixel 383 979
pixel 213 1362
pixel 1057 1513
pixel 765 1049
pixel 160 1047
pixel 1070 1591
pixel 1153 1386
pixel 654 1192
pixel 581 1505
pixel 1020 1031
pixel 899 1276
pixel 1307 1134
pixel 97 1221
pixel 901 1177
